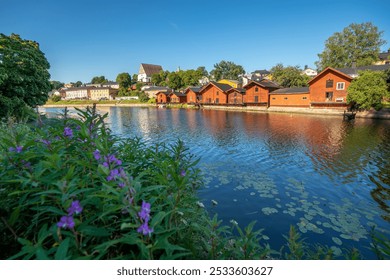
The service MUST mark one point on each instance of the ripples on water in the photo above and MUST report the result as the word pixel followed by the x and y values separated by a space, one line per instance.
pixel 328 177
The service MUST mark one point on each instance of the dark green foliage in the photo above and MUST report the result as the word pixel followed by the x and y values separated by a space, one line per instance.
pixel 290 76
pixel 357 43
pixel 55 98
pixel 368 90
pixel 56 84
pixel 99 80
pixel 24 76
pixel 227 70
pixel 124 81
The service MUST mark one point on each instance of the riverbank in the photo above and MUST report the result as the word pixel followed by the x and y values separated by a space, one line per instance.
pixel 371 114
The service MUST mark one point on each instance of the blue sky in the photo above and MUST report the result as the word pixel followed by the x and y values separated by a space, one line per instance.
pixel 86 38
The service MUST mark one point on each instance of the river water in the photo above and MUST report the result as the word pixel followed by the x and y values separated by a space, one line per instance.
pixel 328 177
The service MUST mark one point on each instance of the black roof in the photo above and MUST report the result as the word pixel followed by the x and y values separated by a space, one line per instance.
pixel 291 90
pixel 354 71
pixel 241 90
pixel 195 89
pixel 177 93
pixel 224 87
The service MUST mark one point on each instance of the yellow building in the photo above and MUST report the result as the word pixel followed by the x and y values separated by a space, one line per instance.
pixel 232 83
pixel 103 93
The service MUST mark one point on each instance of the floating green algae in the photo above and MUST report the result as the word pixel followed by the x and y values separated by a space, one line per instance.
pixel 269 210
pixel 337 241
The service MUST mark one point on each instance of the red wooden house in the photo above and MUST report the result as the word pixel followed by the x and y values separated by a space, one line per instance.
pixel 290 97
pixel 177 97
pixel 214 93
pixel 193 95
pixel 257 93
pixel 236 96
pixel 162 97
pixel 329 89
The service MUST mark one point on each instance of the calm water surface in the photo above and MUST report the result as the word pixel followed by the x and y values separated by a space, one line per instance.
pixel 327 177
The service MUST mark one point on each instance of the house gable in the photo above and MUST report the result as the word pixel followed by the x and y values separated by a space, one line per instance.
pixel 329 88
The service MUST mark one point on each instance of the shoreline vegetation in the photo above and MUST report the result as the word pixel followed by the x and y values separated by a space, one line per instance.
pixel 70 189
pixel 368 114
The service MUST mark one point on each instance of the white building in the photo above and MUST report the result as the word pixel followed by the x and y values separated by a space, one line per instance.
pixel 146 71
pixel 309 72
pixel 77 93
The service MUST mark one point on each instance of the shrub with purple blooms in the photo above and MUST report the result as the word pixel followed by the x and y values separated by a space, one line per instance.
pixel 69 189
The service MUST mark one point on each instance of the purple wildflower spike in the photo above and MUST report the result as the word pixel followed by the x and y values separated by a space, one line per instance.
pixel 66 222
pixel 75 208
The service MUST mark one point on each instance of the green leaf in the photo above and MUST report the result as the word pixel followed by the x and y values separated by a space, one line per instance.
pixel 93 231
pixel 62 250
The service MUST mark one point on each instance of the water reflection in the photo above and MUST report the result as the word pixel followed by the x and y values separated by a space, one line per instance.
pixel 329 177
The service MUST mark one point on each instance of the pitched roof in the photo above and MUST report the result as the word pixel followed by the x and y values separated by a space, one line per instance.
pixel 194 89
pixel 327 69
pixel 263 83
pixel 150 69
pixel 240 90
pixel 293 90
pixel 177 93
pixel 354 71
pixel 223 87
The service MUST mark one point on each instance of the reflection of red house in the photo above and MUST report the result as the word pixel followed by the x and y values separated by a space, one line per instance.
pixel 177 97
pixel 162 97
pixel 236 96
pixel 256 93
pixel 290 97
pixel 214 93
pixel 329 89
pixel 193 95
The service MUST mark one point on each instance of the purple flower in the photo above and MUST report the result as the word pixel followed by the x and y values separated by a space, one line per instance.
pixel 113 174
pixel 183 173
pixel 18 149
pixel 145 229
pixel 122 173
pixel 68 132
pixel 46 142
pixel 145 211
pixel 106 164
pixel 121 185
pixel 75 208
pixel 66 222
pixel 96 154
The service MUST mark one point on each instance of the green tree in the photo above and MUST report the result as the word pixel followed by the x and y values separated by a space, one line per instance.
pixel 24 76
pixel 202 71
pixel 227 70
pixel 124 80
pixel 134 78
pixel 77 84
pixel 290 76
pixel 160 78
pixel 99 80
pixel 175 81
pixel 368 90
pixel 357 43
pixel 56 84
